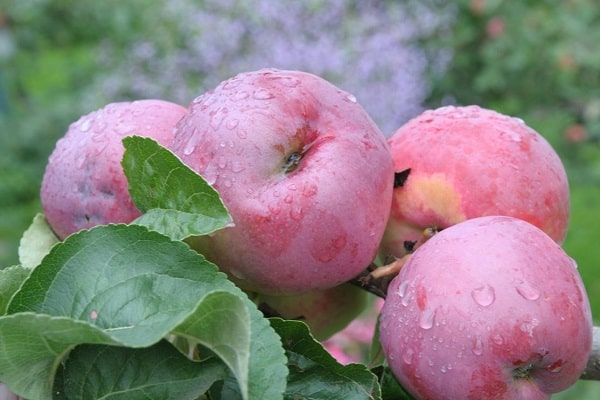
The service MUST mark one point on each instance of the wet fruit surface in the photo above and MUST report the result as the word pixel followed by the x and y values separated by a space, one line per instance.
pixel 84 184
pixel 489 308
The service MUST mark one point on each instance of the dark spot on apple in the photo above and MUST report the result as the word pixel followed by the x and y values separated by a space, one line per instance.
pixel 401 177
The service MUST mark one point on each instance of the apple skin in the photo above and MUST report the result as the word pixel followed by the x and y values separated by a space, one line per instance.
pixel 489 308
pixel 468 162
pixel 326 312
pixel 84 184
pixel 304 171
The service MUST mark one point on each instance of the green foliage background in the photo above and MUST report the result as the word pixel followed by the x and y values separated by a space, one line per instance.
pixel 537 60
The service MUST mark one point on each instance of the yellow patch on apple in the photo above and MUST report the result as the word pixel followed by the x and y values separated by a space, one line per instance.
pixel 423 196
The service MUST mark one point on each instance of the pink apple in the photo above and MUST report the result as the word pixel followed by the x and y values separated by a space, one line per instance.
pixel 84 184
pixel 326 312
pixel 305 173
pixel 490 308
pixel 468 162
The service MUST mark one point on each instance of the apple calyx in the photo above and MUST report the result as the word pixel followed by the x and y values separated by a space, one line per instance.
pixel 401 177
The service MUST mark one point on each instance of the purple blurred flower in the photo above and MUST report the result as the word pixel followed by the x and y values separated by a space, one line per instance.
pixel 367 49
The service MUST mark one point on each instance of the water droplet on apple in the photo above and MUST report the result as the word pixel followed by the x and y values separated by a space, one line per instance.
pixel 527 291
pixel 426 319
pixel 296 213
pixel 498 339
pixel 406 299
pixel 310 189
pixel 556 366
pixel 351 98
pixel 240 95
pixel 483 295
pixel 574 263
pixel 443 369
pixel 274 208
pixel 232 123
pixel 85 126
pixel 288 198
pixel 408 356
pixel 402 288
pixel 222 162
pixel 478 346
pixel 262 94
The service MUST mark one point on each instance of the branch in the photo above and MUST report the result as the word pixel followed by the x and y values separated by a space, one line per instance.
pixel 592 370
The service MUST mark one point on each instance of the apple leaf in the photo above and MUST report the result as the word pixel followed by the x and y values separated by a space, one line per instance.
pixel 175 200
pixel 36 242
pixel 126 285
pixel 314 373
pixel 390 388
pixel 113 373
pixel 11 279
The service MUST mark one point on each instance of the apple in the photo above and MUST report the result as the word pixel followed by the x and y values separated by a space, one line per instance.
pixel 326 312
pixel 491 307
pixel 456 163
pixel 84 184
pixel 304 171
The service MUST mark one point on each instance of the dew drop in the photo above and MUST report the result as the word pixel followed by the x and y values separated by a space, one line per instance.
pixel 288 199
pixel 527 291
pixel 426 319
pixel 240 95
pixel 402 288
pixel 406 299
pixel 232 123
pixel 296 213
pixel 574 263
pixel 443 369
pixel 309 190
pixel 484 295
pixel 85 126
pixel 242 134
pixel 93 315
pixel 478 346
pixel 351 98
pixel 497 338
pixel 274 208
pixel 408 356
pixel 262 94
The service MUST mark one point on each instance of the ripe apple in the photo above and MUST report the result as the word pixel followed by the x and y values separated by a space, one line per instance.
pixel 457 163
pixel 326 312
pixel 84 184
pixel 305 173
pixel 489 308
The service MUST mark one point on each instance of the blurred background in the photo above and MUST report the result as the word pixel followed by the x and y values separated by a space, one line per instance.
pixel 535 59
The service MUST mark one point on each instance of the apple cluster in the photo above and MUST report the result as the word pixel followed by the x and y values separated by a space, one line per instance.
pixel 475 205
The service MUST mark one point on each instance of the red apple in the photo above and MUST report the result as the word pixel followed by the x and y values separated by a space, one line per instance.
pixel 84 184
pixel 489 308
pixel 326 312
pixel 305 173
pixel 467 162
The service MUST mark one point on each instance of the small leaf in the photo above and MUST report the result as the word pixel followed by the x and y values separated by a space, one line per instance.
pixel 175 200
pixel 113 373
pixel 314 373
pixel 36 242
pixel 11 279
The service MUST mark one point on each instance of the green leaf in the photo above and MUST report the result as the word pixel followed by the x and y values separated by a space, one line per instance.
pixel 11 279
pixel 175 200
pixel 390 387
pixel 113 373
pixel 315 374
pixel 132 287
pixel 36 242
pixel 32 345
